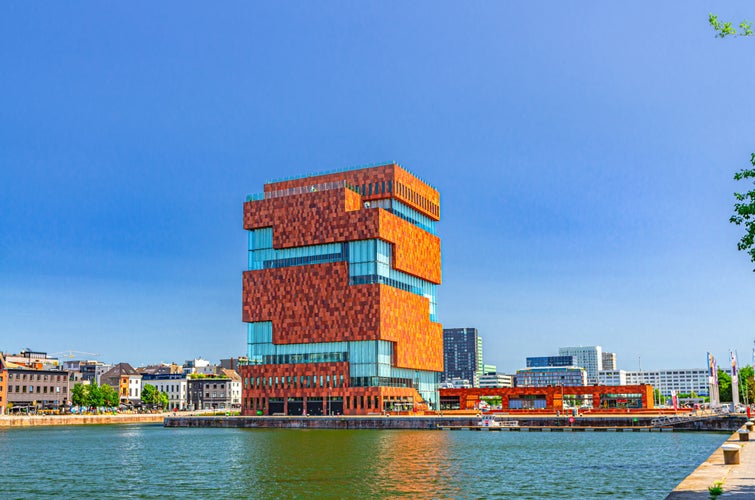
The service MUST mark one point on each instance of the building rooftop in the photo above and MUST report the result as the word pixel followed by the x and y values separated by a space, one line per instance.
pixel 346 169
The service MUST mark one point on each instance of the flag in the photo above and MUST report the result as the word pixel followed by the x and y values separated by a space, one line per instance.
pixel 733 365
pixel 711 369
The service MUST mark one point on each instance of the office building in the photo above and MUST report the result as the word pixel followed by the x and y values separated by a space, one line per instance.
pixel 340 294
pixel 494 379
pixel 198 365
pixel 683 381
pixel 462 355
pixel 88 370
pixel 609 361
pixel 35 360
pixel 588 357
pixel 551 376
pixel 544 361
pixel 28 389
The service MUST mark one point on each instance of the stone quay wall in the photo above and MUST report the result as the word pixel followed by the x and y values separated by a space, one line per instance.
pixel 37 420
pixel 714 424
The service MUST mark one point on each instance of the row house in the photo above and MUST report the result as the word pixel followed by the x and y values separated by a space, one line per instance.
pixel 215 392
pixel 172 384
pixel 127 381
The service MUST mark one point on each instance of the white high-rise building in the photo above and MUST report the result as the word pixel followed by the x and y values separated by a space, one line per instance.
pixel 683 381
pixel 588 357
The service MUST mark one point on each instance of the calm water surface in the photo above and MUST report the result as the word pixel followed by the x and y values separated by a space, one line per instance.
pixel 149 461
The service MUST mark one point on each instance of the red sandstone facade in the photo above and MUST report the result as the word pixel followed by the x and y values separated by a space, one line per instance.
pixel 316 303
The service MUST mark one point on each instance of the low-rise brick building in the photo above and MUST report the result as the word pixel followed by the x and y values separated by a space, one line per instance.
pixel 36 389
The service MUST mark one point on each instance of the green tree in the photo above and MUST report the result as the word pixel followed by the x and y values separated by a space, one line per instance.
pixel 79 395
pixel 94 395
pixel 746 384
pixel 724 386
pixel 744 211
pixel 163 400
pixel 658 397
pixel 109 396
pixel 149 394
pixel 724 29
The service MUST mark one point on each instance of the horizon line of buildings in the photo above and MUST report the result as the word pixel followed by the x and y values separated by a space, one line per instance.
pixel 571 367
pixel 33 381
pixel 340 303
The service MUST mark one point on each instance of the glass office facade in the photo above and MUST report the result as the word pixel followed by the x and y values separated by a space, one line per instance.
pixel 543 361
pixel 551 376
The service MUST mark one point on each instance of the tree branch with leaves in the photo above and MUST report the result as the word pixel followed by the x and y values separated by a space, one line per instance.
pixel 744 211
pixel 724 29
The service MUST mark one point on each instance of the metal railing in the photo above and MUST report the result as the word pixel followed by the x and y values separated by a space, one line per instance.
pixel 314 188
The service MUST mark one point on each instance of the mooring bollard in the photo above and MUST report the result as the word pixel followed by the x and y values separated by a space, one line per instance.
pixel 744 435
pixel 731 453
pixel 749 425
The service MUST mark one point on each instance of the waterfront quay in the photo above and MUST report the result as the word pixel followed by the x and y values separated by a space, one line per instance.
pixel 736 479
pixel 452 422
pixel 57 420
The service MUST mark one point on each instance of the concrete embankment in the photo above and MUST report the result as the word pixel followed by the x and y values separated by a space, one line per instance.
pixel 436 422
pixel 736 480
pixel 37 420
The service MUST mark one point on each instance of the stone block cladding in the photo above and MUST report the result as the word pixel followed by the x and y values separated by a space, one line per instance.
pixel 319 305
pixel 315 303
pixel 338 215
pixel 409 190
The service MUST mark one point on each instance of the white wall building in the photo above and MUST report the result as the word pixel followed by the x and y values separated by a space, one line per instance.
pixel 234 387
pixel 612 377
pixel 198 365
pixel 683 381
pixel 588 357
pixel 135 388
pixel 172 384
pixel 495 380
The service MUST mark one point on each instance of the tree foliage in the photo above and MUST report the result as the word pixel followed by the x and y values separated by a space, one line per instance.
pixel 747 383
pixel 149 394
pixel 744 211
pixel 79 395
pixel 109 395
pixel 724 29
pixel 94 395
pixel 724 386
pixel 163 400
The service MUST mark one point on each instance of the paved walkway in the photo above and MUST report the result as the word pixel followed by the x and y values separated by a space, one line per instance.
pixel 738 480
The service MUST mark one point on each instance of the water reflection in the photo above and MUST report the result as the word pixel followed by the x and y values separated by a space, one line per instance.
pixel 345 463
pixel 152 462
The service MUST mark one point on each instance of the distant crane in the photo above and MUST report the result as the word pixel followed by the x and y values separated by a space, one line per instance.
pixel 71 354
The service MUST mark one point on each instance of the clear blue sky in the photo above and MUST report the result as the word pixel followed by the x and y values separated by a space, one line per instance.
pixel 584 152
